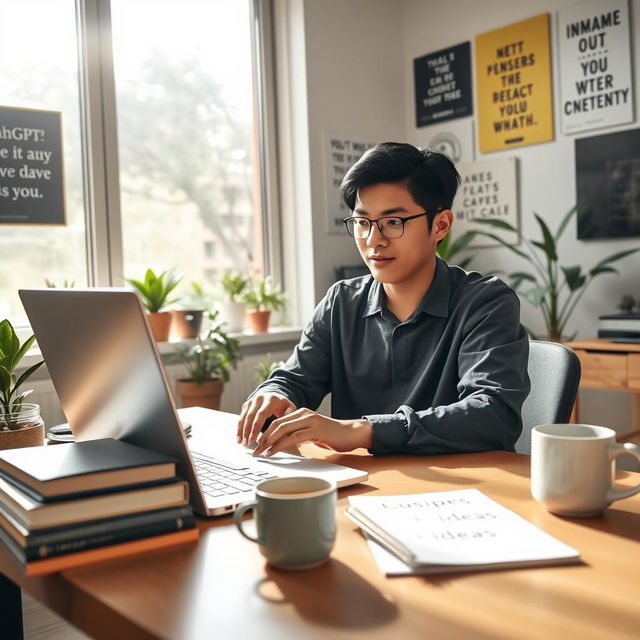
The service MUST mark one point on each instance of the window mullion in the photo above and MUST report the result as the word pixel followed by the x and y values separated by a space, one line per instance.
pixel 102 190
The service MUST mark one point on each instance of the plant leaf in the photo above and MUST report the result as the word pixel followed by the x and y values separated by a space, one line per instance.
pixel 612 258
pixel 565 222
pixel 536 295
pixel 605 269
pixel 9 343
pixel 499 224
pixel 574 278
pixel 504 243
pixel 27 373
pixel 548 245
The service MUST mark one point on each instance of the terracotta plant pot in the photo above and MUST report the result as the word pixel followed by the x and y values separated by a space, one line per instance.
pixel 160 324
pixel 30 433
pixel 258 321
pixel 206 394
pixel 186 324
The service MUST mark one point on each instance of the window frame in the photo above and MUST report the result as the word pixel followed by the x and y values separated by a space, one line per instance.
pixel 103 235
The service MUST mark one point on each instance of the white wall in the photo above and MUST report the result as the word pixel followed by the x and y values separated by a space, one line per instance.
pixel 359 79
pixel 546 171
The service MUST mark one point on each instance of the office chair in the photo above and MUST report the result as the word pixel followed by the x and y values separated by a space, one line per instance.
pixel 554 371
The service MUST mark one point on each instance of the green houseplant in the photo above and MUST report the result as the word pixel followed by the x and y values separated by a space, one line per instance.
pixel 155 291
pixel 261 299
pixel 20 422
pixel 232 307
pixel 209 361
pixel 265 367
pixel 448 248
pixel 553 288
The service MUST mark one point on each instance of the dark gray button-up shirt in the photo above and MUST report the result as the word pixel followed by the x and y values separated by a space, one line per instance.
pixel 451 378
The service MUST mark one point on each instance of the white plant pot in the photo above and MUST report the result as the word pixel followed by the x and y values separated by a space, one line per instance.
pixel 233 314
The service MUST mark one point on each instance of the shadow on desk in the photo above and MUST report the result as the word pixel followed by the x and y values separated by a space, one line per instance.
pixel 331 595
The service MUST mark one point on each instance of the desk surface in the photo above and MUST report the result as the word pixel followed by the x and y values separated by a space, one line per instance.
pixel 222 588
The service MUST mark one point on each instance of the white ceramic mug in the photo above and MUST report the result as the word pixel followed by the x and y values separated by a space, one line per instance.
pixel 573 468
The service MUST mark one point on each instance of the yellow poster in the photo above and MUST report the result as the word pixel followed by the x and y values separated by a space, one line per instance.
pixel 513 83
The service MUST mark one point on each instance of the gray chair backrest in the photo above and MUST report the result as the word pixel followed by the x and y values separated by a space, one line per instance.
pixel 554 371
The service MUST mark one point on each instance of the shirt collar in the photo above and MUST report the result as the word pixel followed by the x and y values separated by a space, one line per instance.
pixel 435 301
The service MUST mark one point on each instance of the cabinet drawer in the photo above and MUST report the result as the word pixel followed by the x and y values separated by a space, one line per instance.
pixel 603 370
pixel 634 371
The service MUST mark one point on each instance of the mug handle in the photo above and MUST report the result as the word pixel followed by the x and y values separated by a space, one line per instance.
pixel 615 451
pixel 246 506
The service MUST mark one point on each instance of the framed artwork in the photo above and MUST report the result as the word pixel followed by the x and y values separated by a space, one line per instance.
pixel 442 81
pixel 513 85
pixel 595 65
pixel 608 185
pixel 31 167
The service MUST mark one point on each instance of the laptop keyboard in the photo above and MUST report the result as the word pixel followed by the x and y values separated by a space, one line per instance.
pixel 220 478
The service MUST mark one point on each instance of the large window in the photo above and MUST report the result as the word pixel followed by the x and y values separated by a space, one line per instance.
pixel 186 170
pixel 39 70
pixel 185 120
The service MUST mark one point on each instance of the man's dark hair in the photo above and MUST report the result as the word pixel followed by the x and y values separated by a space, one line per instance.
pixel 431 178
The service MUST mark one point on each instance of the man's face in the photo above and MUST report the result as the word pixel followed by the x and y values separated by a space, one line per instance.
pixel 409 258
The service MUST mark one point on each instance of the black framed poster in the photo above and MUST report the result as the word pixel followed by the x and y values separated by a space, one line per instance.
pixel 443 85
pixel 608 185
pixel 31 167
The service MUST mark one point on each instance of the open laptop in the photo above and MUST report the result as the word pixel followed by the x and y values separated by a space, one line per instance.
pixel 106 370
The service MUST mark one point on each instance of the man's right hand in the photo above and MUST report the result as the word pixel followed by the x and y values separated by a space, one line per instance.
pixel 256 411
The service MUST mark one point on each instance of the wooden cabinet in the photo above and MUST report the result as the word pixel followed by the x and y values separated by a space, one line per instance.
pixel 613 366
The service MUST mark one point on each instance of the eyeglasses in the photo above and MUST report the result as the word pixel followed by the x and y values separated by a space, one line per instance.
pixel 389 226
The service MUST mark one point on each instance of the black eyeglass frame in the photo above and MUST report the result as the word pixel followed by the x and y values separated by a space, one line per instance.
pixel 377 222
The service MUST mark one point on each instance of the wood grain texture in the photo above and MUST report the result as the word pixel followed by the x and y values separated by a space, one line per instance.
pixel 222 587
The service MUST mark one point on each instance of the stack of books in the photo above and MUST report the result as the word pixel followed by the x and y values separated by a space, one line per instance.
pixel 74 504
pixel 450 531
pixel 620 327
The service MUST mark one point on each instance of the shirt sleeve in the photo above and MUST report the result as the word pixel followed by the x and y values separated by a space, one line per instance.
pixel 493 384
pixel 306 376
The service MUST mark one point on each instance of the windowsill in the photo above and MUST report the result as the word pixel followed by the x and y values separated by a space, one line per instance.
pixel 274 336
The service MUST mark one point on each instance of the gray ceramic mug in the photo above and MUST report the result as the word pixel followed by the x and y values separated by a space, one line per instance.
pixel 295 521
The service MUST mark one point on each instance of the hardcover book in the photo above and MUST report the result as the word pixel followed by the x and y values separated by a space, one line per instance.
pixel 39 515
pixel 450 531
pixel 109 552
pixel 44 543
pixel 80 468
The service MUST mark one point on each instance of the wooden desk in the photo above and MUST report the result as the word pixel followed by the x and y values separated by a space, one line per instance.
pixel 613 366
pixel 221 587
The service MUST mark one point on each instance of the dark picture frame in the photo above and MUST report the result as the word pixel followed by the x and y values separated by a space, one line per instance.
pixel 608 185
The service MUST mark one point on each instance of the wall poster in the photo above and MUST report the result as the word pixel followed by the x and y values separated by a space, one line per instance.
pixel 595 65
pixel 608 185
pixel 454 139
pixel 442 81
pixel 31 167
pixel 340 153
pixel 488 190
pixel 513 85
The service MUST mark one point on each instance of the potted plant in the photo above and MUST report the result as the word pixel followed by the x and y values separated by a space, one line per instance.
pixel 208 361
pixel 261 299
pixel 186 320
pixel 232 308
pixel 555 289
pixel 20 422
pixel 155 290
pixel 264 368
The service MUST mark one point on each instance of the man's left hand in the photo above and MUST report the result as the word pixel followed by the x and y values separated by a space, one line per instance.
pixel 304 425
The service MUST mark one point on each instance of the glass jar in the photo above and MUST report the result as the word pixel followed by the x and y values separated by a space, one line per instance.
pixel 22 428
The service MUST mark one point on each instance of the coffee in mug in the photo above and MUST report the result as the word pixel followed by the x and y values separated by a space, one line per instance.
pixel 573 468
pixel 295 521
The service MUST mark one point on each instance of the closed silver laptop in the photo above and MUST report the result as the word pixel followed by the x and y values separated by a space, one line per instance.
pixel 107 373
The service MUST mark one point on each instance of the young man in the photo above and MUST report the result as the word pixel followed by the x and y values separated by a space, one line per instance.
pixel 419 357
